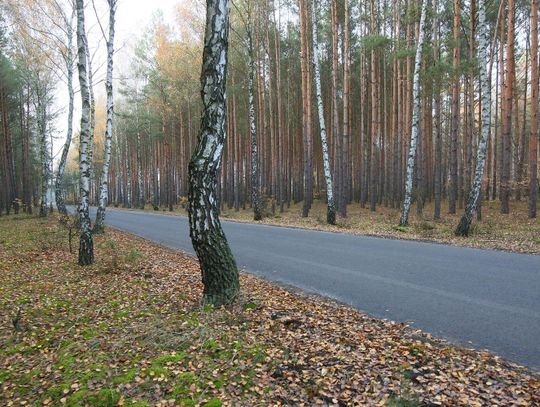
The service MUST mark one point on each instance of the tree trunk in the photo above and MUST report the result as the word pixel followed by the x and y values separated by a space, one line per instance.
pixel 86 243
pixel 533 138
pixel 455 116
pixel 255 182
pixel 59 190
pixel 507 128
pixel 483 46
pixel 43 152
pixel 331 211
pixel 219 271
pixel 438 134
pixel 404 219
pixel 104 183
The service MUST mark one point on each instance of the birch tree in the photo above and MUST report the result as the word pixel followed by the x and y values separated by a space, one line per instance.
pixel 483 47
pixel 331 208
pixel 41 119
pixel 69 61
pixel 104 183
pixel 255 182
pixel 404 219
pixel 219 271
pixel 86 243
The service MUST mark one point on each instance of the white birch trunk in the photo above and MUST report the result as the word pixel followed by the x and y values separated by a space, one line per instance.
pixel 69 59
pixel 86 244
pixel 404 220
pixel 483 46
pixel 43 151
pixel 92 123
pixel 331 210
pixel 104 183
pixel 219 270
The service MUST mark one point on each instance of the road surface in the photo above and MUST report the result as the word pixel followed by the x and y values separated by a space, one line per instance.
pixel 478 298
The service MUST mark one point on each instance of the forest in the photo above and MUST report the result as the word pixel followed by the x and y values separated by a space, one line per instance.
pixel 197 130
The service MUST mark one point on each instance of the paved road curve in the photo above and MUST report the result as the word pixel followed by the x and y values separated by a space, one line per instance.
pixel 481 298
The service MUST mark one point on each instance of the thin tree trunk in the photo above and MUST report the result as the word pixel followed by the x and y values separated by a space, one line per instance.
pixel 455 116
pixel 255 184
pixel 507 129
pixel 59 190
pixel 483 45
pixel 331 211
pixel 404 219
pixel 104 183
pixel 533 138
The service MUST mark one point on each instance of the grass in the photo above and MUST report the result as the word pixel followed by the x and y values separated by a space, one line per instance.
pixel 130 331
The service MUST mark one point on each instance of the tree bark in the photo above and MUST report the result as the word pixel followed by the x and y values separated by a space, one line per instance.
pixel 255 181
pixel 452 198
pixel 219 271
pixel 104 183
pixel 331 208
pixel 59 190
pixel 533 138
pixel 483 45
pixel 86 243
pixel 404 219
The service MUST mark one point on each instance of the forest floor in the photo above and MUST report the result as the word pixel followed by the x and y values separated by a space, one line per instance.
pixel 130 330
pixel 514 232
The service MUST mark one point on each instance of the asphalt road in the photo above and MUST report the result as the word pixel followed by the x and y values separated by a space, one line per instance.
pixel 478 298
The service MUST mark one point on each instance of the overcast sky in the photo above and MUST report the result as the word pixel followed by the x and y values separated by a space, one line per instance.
pixel 132 17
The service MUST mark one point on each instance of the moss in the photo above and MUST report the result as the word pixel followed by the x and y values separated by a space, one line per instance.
pixel 57 392
pixel 168 359
pixel 126 377
pixel 213 403
pixel 104 398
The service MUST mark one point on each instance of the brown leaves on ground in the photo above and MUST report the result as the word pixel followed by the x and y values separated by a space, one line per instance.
pixel 130 331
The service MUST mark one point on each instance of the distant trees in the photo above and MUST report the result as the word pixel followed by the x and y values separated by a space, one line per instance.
pixel 28 77
pixel 367 76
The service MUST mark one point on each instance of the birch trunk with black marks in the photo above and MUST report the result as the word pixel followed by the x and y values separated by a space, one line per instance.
pixel 92 122
pixel 218 267
pixel 255 183
pixel 86 244
pixel 404 219
pixel 483 46
pixel 331 209
pixel 104 183
pixel 59 190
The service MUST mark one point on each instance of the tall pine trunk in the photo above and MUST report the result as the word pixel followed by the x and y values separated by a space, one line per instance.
pixel 452 197
pixel 533 138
